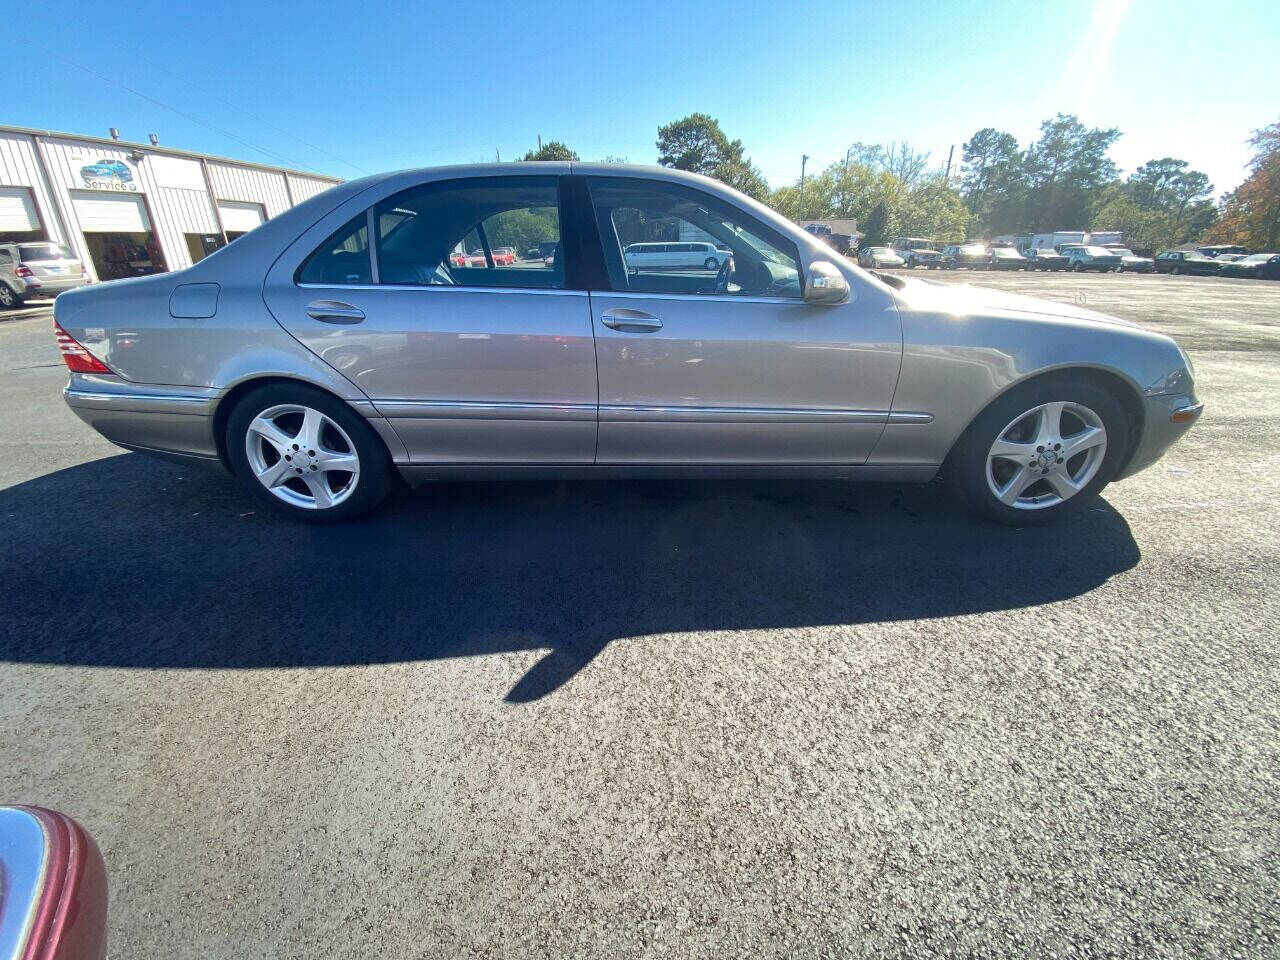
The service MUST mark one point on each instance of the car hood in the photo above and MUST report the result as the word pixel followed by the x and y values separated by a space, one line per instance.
pixel 966 298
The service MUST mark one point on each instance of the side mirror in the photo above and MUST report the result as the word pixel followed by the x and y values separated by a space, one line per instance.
pixel 825 284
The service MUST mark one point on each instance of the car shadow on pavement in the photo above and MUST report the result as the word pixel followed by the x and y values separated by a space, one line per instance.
pixel 132 562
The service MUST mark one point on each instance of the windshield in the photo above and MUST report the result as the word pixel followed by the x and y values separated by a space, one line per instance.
pixel 1122 251
pixel 973 248
pixel 34 252
pixel 1258 258
pixel 879 250
pixel 1098 251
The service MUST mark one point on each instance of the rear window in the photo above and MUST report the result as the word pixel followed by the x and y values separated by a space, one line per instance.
pixel 33 252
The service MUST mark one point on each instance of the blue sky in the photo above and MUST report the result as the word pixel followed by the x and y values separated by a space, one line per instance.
pixel 346 88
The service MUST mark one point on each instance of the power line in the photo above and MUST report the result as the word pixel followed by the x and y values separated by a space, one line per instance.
pixel 251 116
pixel 182 113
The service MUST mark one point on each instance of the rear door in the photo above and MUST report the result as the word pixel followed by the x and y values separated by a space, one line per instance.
pixel 696 370
pixel 471 363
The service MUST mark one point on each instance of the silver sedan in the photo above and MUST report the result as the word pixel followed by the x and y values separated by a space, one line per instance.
pixel 384 331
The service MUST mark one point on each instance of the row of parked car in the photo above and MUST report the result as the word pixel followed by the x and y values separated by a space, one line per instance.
pixel 910 253
pixel 979 255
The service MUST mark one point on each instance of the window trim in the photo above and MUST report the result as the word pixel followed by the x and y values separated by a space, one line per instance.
pixel 370 216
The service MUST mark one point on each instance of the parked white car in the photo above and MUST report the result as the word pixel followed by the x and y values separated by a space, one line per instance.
pixel 676 256
pixel 37 269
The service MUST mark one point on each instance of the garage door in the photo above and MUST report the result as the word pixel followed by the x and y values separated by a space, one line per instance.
pixel 99 214
pixel 239 217
pixel 17 211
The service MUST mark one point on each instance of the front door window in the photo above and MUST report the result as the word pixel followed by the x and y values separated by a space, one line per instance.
pixel 708 247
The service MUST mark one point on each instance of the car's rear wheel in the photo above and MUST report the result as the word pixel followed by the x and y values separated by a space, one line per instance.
pixel 1176 271
pixel 305 453
pixel 1041 452
pixel 9 299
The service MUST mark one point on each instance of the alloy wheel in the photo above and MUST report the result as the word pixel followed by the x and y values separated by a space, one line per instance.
pixel 7 298
pixel 1046 455
pixel 302 457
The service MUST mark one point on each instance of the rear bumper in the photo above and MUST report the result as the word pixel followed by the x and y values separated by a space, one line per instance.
pixel 1166 419
pixel 168 421
pixel 51 288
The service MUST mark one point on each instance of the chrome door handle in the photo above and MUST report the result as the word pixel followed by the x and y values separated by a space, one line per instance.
pixel 334 311
pixel 634 320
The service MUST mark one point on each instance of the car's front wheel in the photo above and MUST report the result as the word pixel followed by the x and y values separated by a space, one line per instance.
pixel 711 263
pixel 1040 452
pixel 305 453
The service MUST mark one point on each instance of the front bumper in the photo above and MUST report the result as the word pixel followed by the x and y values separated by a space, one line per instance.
pixel 1165 420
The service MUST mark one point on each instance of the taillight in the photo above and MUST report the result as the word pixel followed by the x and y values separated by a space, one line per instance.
pixel 23 272
pixel 75 356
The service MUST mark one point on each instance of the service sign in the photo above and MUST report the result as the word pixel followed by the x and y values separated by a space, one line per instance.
pixel 106 173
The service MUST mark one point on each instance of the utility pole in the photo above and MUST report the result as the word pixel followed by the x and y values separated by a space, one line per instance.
pixel 950 153
pixel 804 158
pixel 539 143
pixel 498 154
pixel 848 155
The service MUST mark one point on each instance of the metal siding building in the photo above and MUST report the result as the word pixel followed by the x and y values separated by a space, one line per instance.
pixel 128 209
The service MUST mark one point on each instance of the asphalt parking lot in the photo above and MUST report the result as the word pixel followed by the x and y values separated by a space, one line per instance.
pixel 645 718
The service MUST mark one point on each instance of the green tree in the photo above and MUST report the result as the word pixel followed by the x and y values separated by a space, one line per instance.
pixel 552 150
pixel 933 208
pixel 883 204
pixel 1251 212
pixel 697 144
pixel 1064 168
pixel 875 231
pixel 522 229
pixel 897 159
pixel 993 182
pixel 1169 185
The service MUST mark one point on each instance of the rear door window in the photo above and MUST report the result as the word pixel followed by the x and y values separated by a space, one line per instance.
pixel 446 233
pixel 343 258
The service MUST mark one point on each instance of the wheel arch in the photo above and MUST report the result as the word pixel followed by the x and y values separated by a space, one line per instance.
pixel 1109 379
pixel 232 397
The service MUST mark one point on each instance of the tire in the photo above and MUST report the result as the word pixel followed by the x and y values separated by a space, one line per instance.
pixel 1077 267
pixel 1120 269
pixel 1176 271
pixel 346 434
pixel 972 469
pixel 9 299
pixel 711 263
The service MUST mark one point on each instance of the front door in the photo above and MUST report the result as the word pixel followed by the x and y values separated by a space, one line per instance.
pixel 470 361
pixel 728 366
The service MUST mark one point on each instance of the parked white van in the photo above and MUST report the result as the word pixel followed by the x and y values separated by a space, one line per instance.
pixel 675 256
